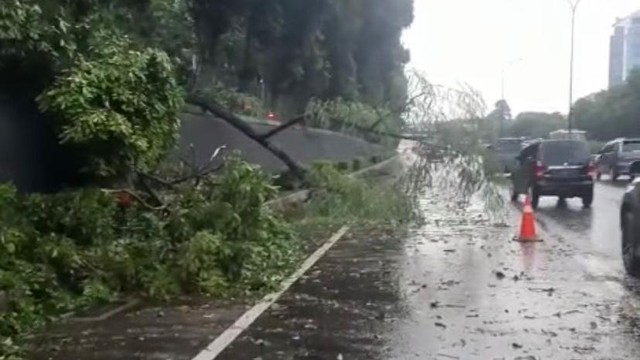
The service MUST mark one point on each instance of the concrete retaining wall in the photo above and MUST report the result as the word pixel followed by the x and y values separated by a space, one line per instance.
pixel 206 133
pixel 31 159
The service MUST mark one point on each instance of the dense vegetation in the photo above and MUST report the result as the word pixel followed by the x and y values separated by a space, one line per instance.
pixel 306 49
pixel 240 52
pixel 536 124
pixel 612 113
pixel 113 74
pixel 500 123
pixel 111 77
pixel 80 248
pixel 216 236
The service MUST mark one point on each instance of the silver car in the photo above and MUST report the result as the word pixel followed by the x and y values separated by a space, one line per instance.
pixel 620 157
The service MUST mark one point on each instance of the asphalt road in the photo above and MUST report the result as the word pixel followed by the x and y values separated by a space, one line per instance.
pixel 599 226
pixel 458 287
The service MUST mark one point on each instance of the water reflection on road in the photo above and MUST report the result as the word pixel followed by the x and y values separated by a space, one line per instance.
pixel 600 225
pixel 487 297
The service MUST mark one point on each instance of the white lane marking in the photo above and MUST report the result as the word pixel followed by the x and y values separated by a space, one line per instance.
pixel 232 332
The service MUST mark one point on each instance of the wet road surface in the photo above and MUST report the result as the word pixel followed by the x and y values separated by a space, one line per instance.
pixel 457 287
pixel 599 226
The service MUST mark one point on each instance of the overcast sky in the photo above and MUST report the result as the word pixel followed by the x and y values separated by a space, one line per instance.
pixel 471 40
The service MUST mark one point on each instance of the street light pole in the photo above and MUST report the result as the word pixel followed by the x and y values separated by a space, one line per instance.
pixel 574 8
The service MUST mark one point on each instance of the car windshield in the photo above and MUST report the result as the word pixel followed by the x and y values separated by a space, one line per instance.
pixel 631 146
pixel 510 146
pixel 556 153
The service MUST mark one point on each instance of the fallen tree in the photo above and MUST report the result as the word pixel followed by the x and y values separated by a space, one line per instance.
pixel 246 129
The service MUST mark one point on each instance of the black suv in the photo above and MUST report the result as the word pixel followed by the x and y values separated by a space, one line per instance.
pixel 630 222
pixel 561 168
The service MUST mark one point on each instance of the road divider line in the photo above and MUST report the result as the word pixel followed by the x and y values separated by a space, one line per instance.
pixel 217 346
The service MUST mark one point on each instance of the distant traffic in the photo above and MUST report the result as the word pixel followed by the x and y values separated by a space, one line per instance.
pixel 617 158
pixel 563 166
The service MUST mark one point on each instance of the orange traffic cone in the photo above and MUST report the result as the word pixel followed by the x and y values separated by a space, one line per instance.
pixel 528 224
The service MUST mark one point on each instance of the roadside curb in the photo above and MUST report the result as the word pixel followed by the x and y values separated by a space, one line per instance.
pixel 130 303
pixel 217 346
pixel 379 166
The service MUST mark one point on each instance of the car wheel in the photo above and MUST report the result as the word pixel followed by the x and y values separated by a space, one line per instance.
pixel 562 202
pixel 514 196
pixel 587 200
pixel 535 197
pixel 614 175
pixel 629 245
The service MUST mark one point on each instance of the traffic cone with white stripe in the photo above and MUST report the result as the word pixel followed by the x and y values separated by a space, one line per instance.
pixel 528 224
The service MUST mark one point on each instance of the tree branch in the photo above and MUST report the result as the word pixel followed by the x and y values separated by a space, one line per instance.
pixel 137 197
pixel 288 124
pixel 240 125
pixel 151 192
pixel 198 171
pixel 378 132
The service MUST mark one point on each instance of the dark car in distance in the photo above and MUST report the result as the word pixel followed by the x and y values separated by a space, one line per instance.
pixel 561 168
pixel 619 157
pixel 506 149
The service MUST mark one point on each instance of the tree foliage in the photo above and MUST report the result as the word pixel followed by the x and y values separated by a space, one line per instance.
pixel 120 105
pixel 353 117
pixel 500 116
pixel 612 113
pixel 302 50
pixel 536 124
pixel 247 54
pixel 530 124
pixel 451 154
pixel 75 249
pixel 115 99
pixel 26 29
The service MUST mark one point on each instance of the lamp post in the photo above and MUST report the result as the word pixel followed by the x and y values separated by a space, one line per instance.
pixel 574 8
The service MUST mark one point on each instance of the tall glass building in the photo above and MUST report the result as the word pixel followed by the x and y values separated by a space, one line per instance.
pixel 624 49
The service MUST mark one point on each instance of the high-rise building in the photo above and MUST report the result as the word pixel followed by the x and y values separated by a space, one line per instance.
pixel 624 55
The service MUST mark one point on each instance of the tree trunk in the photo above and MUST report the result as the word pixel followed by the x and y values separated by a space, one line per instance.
pixel 239 124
